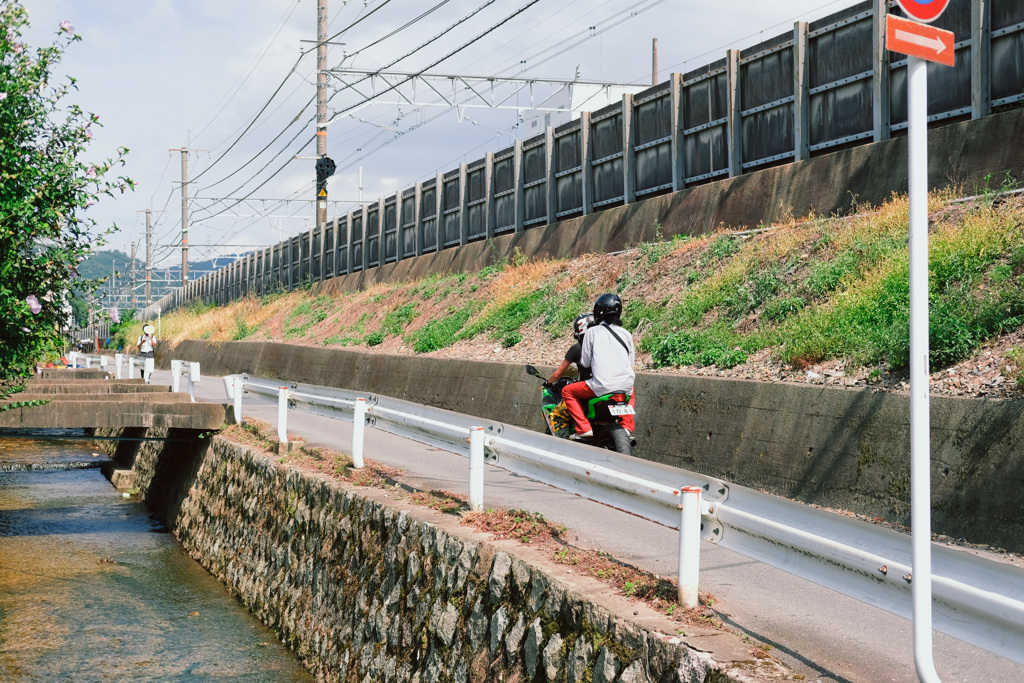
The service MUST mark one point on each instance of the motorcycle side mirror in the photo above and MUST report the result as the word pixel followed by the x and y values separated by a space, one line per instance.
pixel 530 370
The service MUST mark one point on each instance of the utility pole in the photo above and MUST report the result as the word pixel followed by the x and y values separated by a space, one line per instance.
pixel 654 62
pixel 321 108
pixel 184 214
pixel 149 260
pixel 133 275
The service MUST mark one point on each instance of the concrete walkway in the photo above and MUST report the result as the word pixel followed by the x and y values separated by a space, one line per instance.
pixel 820 634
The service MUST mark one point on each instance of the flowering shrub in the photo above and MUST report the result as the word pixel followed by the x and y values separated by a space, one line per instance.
pixel 45 188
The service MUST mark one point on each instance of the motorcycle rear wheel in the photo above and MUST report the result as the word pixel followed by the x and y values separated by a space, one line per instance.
pixel 621 441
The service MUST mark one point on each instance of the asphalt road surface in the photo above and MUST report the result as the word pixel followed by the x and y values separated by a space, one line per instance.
pixel 819 633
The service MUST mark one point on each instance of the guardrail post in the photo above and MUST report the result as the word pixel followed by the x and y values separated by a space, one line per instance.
pixel 104 361
pixel 118 364
pixel 689 545
pixel 73 359
pixel 131 367
pixel 358 428
pixel 193 377
pixel 476 468
pixel 148 365
pixel 237 396
pixel 282 414
pixel 176 376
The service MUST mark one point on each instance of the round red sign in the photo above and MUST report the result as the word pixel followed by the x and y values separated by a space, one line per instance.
pixel 923 10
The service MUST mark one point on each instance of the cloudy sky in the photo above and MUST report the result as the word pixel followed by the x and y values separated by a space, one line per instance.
pixel 234 80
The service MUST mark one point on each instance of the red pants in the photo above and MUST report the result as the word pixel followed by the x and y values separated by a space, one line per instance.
pixel 576 393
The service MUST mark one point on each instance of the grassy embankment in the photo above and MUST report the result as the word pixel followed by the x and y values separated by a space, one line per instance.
pixel 822 289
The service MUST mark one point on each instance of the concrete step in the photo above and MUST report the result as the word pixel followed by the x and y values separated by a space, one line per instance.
pixel 88 386
pixel 90 413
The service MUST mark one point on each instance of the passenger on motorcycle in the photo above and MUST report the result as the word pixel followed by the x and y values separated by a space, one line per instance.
pixel 607 349
pixel 579 327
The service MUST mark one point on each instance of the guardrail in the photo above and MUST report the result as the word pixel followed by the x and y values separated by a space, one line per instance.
pixel 190 370
pixel 977 600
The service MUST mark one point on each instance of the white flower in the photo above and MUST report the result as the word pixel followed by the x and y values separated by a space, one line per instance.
pixel 66 27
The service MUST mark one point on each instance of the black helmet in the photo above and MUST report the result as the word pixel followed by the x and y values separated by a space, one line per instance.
pixel 608 308
pixel 581 324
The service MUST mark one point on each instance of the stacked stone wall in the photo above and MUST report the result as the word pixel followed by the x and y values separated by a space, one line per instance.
pixel 364 590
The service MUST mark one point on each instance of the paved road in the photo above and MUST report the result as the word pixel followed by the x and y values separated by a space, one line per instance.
pixel 819 633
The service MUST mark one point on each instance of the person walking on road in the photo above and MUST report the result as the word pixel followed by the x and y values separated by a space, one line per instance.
pixel 147 345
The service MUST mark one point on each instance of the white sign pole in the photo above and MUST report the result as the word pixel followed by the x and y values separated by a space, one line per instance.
pixel 920 428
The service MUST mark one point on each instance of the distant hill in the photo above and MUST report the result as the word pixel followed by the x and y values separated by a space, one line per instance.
pixel 116 267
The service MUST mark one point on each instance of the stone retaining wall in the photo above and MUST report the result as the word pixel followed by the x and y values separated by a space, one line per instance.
pixel 365 588
pixel 842 448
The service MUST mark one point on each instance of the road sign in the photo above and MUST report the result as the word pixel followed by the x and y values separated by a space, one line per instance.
pixel 919 40
pixel 923 10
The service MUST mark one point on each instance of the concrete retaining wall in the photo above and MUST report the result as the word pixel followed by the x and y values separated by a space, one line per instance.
pixel 364 588
pixel 834 447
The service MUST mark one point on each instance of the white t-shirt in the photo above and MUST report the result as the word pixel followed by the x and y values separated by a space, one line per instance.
pixel 610 362
pixel 146 343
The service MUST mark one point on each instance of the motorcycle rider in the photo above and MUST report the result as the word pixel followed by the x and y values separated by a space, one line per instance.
pixel 579 327
pixel 607 349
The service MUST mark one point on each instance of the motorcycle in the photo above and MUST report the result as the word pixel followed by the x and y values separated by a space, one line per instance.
pixel 604 413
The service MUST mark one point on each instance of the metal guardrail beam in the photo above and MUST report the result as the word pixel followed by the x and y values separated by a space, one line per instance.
pixel 977 600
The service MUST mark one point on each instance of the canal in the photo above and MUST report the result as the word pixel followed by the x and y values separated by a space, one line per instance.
pixel 94 588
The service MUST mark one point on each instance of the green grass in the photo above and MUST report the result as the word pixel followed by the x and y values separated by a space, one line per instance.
pixel 560 309
pixel 440 333
pixel 508 317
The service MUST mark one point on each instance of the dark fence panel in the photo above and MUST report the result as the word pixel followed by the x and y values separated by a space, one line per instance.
pixel 607 156
pixel 767 102
pixel 409 223
pixel 390 230
pixel 535 174
pixel 373 237
pixel 504 179
pixel 1007 63
pixel 705 117
pixel 428 213
pixel 840 49
pixel 357 242
pixel 451 211
pixel 341 260
pixel 296 262
pixel 568 162
pixel 329 249
pixel 305 272
pixel 476 203
pixel 652 140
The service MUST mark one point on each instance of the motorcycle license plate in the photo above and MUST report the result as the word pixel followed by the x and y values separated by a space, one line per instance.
pixel 621 410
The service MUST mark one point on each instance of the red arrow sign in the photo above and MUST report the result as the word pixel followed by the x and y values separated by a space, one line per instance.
pixel 919 40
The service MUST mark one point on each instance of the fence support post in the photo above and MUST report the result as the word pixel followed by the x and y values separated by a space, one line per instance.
pixel 282 414
pixel 238 388
pixel 175 375
pixel 118 364
pixel 689 545
pixel 358 429
pixel 476 468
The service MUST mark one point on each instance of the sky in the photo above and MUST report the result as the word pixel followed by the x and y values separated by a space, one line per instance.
pixel 234 82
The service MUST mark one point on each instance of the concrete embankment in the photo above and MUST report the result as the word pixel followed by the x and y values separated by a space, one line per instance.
pixel 840 448
pixel 364 586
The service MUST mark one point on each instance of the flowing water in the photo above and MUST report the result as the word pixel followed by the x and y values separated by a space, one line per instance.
pixel 93 588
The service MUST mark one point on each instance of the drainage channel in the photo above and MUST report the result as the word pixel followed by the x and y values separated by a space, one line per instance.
pixel 92 587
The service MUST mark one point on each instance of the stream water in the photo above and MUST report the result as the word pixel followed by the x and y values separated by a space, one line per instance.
pixel 93 588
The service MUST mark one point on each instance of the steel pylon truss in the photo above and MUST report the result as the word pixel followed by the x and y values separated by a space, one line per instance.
pixel 482 92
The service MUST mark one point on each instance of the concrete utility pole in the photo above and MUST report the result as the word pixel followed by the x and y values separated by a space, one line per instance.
pixel 184 214
pixel 149 259
pixel 321 104
pixel 133 274
pixel 654 61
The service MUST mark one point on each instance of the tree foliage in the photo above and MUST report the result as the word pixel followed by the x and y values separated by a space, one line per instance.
pixel 45 189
